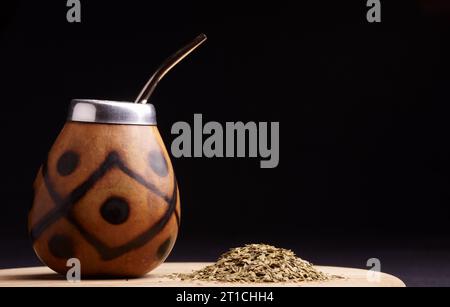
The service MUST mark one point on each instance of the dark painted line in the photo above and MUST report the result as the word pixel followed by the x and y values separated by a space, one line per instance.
pixel 63 208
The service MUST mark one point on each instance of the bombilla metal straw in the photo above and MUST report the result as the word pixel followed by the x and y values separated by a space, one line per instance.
pixel 166 66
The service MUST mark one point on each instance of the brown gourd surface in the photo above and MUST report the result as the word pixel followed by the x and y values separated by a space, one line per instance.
pixel 107 195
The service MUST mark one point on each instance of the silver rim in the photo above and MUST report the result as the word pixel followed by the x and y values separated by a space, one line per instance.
pixel 111 112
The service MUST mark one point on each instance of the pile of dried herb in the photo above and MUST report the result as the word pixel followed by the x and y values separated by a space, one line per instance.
pixel 258 263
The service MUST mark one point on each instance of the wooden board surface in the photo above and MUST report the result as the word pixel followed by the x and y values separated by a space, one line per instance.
pixel 44 277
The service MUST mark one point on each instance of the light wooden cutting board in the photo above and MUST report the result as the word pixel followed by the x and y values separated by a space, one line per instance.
pixel 44 277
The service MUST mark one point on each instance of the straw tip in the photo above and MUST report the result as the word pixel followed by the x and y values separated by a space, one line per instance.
pixel 202 36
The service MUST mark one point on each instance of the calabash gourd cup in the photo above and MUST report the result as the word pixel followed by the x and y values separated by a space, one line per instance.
pixel 107 193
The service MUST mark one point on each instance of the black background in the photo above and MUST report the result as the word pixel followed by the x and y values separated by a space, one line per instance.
pixel 363 111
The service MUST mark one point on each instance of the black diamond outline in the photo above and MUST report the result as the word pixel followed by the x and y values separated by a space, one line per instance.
pixel 63 208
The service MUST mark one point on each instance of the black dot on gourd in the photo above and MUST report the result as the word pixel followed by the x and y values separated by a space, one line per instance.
pixel 163 249
pixel 115 210
pixel 158 163
pixel 61 246
pixel 67 163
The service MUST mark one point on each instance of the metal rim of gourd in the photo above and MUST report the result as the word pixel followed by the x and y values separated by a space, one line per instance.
pixel 111 112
